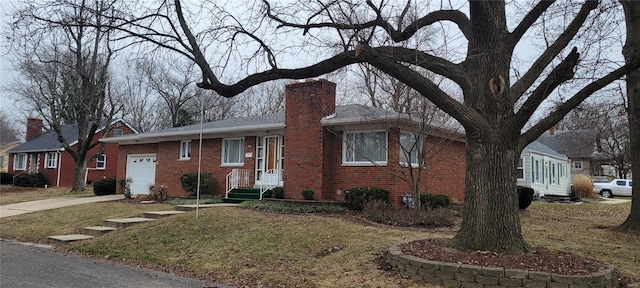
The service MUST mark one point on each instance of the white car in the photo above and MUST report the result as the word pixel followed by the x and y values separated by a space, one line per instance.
pixel 617 187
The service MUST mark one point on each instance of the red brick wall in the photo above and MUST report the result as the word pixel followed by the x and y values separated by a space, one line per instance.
pixel 444 172
pixel 169 168
pixel 306 104
pixel 66 164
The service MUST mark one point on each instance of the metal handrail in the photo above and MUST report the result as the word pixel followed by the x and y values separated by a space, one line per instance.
pixel 270 183
pixel 237 178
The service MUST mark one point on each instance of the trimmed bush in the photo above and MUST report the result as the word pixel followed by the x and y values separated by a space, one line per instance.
pixel 434 201
pixel 105 186
pixel 357 197
pixel 190 183
pixel 30 180
pixel 307 194
pixel 125 187
pixel 6 178
pixel 277 193
pixel 291 208
pixel 525 196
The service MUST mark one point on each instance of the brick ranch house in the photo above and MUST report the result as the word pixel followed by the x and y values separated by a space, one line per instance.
pixel 303 147
pixel 43 153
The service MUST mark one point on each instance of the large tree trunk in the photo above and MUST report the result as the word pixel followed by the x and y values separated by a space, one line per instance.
pixel 491 218
pixel 630 51
pixel 79 171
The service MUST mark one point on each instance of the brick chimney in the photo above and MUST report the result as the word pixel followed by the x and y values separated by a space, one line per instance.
pixel 34 128
pixel 552 130
pixel 306 103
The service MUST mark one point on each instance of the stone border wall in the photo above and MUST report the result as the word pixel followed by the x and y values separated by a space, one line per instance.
pixel 462 275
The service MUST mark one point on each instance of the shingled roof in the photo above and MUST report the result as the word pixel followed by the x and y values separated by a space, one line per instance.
pixel 344 114
pixel 48 141
pixel 576 144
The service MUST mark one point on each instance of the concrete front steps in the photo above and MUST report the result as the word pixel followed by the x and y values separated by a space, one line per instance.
pixel 118 223
pixel 112 225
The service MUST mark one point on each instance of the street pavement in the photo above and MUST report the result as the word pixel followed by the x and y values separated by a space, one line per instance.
pixel 33 265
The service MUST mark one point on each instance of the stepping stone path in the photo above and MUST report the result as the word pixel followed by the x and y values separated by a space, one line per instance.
pixel 119 223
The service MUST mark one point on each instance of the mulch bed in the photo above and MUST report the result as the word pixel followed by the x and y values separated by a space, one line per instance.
pixel 539 259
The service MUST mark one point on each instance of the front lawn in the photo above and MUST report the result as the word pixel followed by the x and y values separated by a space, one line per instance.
pixel 248 247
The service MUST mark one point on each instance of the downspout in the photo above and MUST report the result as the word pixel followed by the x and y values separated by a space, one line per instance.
pixel 59 168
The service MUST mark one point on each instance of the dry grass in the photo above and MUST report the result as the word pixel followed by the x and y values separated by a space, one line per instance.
pixel 10 194
pixel 247 247
pixel 585 229
pixel 583 187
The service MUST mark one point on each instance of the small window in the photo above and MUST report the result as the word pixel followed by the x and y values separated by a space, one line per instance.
pixel 554 179
pixel 1 161
pixel 101 162
pixel 117 132
pixel 20 162
pixel 577 165
pixel 185 149
pixel 233 151
pixel 409 149
pixel 520 169
pixel 365 148
pixel 52 160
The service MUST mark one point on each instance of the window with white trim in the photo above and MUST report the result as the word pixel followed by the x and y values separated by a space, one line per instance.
pixel 409 149
pixel 577 165
pixel 536 167
pixel 185 149
pixel 101 162
pixel 1 161
pixel 233 151
pixel 520 169
pixel 365 148
pixel 118 132
pixel 554 175
pixel 20 162
pixel 52 160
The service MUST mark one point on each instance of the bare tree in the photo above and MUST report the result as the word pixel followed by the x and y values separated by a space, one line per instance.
pixel 497 102
pixel 608 118
pixel 263 99
pixel 139 101
pixel 64 58
pixel 8 132
pixel 630 51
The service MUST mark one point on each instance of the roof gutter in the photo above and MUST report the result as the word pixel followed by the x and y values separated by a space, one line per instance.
pixel 133 138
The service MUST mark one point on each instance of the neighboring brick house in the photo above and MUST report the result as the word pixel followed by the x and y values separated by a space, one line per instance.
pixel 303 147
pixel 43 153
pixel 581 147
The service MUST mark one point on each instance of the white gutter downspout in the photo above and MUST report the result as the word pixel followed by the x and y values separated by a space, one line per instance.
pixel 59 168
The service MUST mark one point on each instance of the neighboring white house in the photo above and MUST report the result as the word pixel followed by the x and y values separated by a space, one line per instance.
pixel 544 170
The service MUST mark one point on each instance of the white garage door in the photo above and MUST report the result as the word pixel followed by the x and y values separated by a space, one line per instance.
pixel 142 171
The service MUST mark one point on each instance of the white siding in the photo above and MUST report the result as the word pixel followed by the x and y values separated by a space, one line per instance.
pixel 545 185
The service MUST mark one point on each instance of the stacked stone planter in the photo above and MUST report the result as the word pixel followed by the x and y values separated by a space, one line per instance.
pixel 462 275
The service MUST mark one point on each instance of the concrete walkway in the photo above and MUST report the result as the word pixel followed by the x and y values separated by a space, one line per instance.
pixel 53 203
pixel 615 200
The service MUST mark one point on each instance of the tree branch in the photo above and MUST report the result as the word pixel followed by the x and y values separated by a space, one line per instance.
pixel 543 125
pixel 454 16
pixel 562 73
pixel 465 115
pixel 528 20
pixel 518 89
pixel 427 61
pixel 323 67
